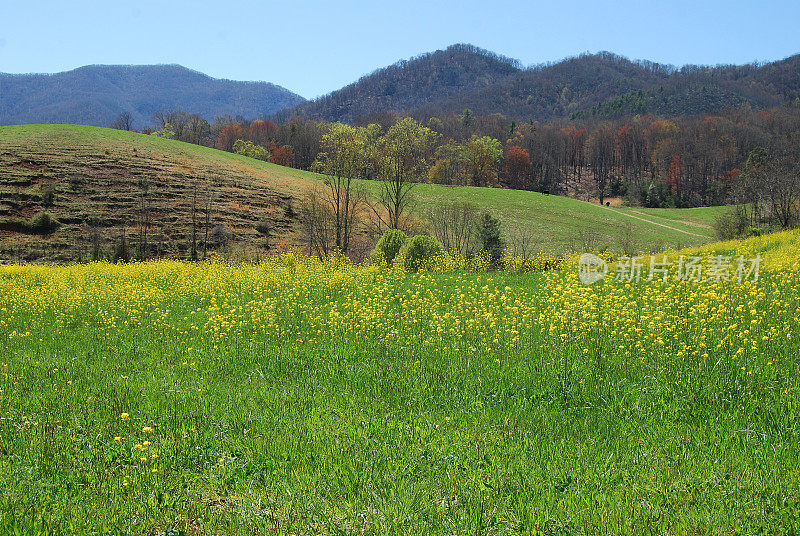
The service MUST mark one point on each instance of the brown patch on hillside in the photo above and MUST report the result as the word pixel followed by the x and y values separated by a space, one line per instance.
pixel 98 192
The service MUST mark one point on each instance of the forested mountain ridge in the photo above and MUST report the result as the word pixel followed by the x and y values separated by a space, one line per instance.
pixel 556 90
pixel 695 90
pixel 602 85
pixel 409 84
pixel 98 94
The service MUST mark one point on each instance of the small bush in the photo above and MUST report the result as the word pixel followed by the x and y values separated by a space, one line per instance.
pixel 48 195
pixel 419 252
pixel 43 223
pixel 248 148
pixel 489 237
pixel 263 228
pixel 219 236
pixel 731 224
pixel 388 247
pixel 76 182
pixel 122 252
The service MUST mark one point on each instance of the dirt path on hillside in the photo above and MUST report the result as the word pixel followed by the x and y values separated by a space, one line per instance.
pixel 655 222
pixel 686 222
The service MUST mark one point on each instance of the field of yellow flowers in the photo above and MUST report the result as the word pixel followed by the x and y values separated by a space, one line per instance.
pixel 306 397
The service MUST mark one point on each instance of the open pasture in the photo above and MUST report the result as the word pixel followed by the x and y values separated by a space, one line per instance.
pixel 300 397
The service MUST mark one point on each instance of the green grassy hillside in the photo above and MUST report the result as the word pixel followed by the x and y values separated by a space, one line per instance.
pixel 93 176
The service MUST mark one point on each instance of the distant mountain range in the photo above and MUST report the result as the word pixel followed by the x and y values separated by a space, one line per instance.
pixel 97 94
pixel 602 86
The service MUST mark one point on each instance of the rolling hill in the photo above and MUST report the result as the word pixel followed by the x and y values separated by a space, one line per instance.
pixel 97 94
pixel 90 180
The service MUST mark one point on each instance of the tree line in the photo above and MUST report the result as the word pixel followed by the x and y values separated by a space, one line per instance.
pixel 647 160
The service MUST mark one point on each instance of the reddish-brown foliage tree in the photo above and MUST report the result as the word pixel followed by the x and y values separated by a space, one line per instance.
pixel 517 168
pixel 228 136
pixel 281 155
pixel 262 131
pixel 733 174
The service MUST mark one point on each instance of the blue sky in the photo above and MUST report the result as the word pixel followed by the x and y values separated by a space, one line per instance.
pixel 316 47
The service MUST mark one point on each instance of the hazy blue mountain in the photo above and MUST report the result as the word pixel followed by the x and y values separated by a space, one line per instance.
pixel 97 94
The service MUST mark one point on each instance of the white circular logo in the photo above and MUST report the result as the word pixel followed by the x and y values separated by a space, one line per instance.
pixel 591 268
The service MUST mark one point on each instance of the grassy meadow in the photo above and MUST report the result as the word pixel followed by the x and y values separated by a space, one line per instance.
pixel 94 174
pixel 300 397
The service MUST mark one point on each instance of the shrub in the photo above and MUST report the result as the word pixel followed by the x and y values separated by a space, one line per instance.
pixel 43 223
pixel 122 252
pixel 248 148
pixel 48 195
pixel 388 247
pixel 219 236
pixel 263 228
pixel 76 182
pixel 419 252
pixel 489 236
pixel 165 132
pixel 731 224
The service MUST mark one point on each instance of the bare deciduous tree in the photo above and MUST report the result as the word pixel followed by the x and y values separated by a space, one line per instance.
pixel 123 122
pixel 318 225
pixel 143 217
pixel 455 226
